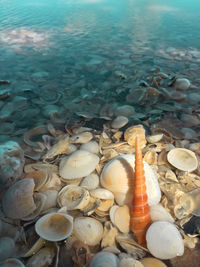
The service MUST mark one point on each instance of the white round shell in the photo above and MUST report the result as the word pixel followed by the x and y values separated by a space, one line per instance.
pixel 164 240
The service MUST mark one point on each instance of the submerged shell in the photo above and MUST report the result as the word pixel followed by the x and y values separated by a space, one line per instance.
pixel 81 138
pixel 88 230
pixel 183 159
pixel 119 121
pixel 117 176
pixel 54 226
pixel 164 240
pixel 104 259
pixel 18 201
pixel 154 138
pixel 132 132
pixel 79 164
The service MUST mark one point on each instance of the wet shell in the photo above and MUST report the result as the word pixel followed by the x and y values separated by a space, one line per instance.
pixel 183 159
pixel 164 240
pixel 18 201
pixel 117 176
pixel 91 146
pixel 81 138
pixel 182 84
pixel 152 262
pixel 119 121
pixel 134 131
pixel 54 226
pixel 73 197
pixel 88 230
pixel 104 259
pixel 79 164
pixel 90 182
pixel 154 138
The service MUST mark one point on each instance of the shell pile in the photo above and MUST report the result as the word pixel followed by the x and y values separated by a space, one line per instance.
pixel 72 204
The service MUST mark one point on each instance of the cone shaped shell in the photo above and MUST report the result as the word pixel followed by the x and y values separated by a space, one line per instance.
pixel 183 159
pixel 54 226
pixel 79 164
pixel 117 176
pixel 18 201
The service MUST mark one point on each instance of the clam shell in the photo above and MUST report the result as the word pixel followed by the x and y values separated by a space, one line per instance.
pixel 152 262
pixel 8 248
pixel 164 240
pixel 120 217
pixel 39 176
pixel 91 146
pixel 130 262
pixel 79 164
pixel 81 138
pixel 154 138
pixel 44 257
pixel 159 213
pixel 18 201
pixel 183 159
pixel 132 132
pixel 119 122
pixel 73 197
pixel 104 259
pixel 54 226
pixel 88 230
pixel 28 136
pixel 90 182
pixel 12 262
pixel 118 174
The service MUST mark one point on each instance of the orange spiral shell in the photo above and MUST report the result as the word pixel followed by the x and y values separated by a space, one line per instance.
pixel 139 213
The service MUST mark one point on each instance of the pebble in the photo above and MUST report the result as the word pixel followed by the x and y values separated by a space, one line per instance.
pixel 182 84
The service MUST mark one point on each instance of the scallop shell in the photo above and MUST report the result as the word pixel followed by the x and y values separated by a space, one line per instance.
pixel 104 259
pixel 54 226
pixel 90 182
pixel 73 197
pixel 88 230
pixel 164 240
pixel 132 132
pixel 183 159
pixel 117 176
pixel 91 146
pixel 18 201
pixel 79 164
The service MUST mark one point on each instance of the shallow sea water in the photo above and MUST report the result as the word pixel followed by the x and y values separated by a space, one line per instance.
pixel 84 55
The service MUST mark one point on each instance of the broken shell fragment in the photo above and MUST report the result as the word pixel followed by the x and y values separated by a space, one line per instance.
pixel 88 230
pixel 18 201
pixel 54 226
pixel 73 197
pixel 132 132
pixel 79 164
pixel 118 175
pixel 164 240
pixel 104 259
pixel 183 159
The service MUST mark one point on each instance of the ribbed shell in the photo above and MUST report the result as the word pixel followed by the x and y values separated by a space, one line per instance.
pixel 140 213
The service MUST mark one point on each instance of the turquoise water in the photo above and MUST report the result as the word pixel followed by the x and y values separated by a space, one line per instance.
pixel 80 48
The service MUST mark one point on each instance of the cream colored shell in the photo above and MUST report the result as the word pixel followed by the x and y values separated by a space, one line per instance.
pixel 18 201
pixel 79 164
pixel 88 230
pixel 54 226
pixel 133 131
pixel 90 182
pixel 118 175
pixel 183 159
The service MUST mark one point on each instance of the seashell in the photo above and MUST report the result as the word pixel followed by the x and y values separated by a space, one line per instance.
pixel 88 230
pixel 109 235
pixel 90 182
pixel 177 96
pixel 91 146
pixel 12 262
pixel 73 197
pixel 151 157
pixel 164 240
pixel 181 84
pixel 183 159
pixel 103 259
pixel 51 199
pixel 81 138
pixel 53 182
pixel 7 246
pixel 79 164
pixel 159 213
pixel 190 119
pixel 162 158
pixel 39 200
pixel 117 176
pixel 18 201
pixel 54 226
pixel 39 166
pixel 189 133
pixel 134 131
pixel 155 138
pixel 120 217
pixel 130 262
pixel 119 122
pixel 63 146
pixel 81 129
pixel 125 110
pixel 43 257
pixel 39 176
pixel 91 207
pixel 106 198
pixel 139 213
pixel 35 248
pixel 152 262
pixel 28 136
pixel 195 147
